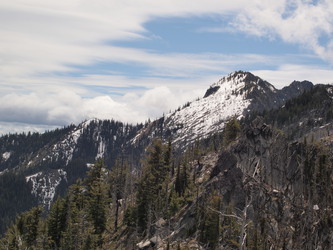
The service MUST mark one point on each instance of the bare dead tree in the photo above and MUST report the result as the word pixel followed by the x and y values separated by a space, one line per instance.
pixel 242 221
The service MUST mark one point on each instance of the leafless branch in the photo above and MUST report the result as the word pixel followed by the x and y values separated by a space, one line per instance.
pixel 226 215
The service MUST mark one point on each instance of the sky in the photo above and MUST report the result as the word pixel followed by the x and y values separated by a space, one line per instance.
pixel 66 61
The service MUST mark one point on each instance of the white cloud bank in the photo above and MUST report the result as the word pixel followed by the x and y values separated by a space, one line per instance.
pixel 43 40
pixel 303 22
pixel 67 107
pixel 62 108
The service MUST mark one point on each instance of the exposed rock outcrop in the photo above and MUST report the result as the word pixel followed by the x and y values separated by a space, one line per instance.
pixel 263 177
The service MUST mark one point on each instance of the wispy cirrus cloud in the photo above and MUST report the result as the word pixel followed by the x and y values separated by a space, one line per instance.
pixel 41 36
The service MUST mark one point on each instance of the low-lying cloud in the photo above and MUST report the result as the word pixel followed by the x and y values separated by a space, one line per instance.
pixel 63 108
pixel 66 107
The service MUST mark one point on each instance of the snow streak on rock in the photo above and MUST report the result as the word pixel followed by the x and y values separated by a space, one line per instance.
pixel 44 185
pixel 66 147
pixel 101 149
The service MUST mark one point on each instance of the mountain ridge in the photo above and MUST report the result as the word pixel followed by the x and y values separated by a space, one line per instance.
pixel 67 157
pixel 234 95
pixel 255 186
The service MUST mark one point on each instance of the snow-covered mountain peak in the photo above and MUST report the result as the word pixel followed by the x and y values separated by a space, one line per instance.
pixel 241 79
pixel 233 79
pixel 225 99
pixel 233 96
pixel 239 83
pixel 86 123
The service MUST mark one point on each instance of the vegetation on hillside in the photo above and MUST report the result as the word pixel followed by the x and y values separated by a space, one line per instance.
pixel 127 208
pixel 217 194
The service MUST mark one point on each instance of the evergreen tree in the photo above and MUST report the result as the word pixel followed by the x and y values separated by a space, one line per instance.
pixel 23 233
pixel 57 221
pixel 118 185
pixel 28 225
pixel 168 155
pixel 97 206
pixel 178 184
pixel 143 203
pixel 210 227
pixel 231 130
pixel 151 196
pixel 78 225
pixel 97 196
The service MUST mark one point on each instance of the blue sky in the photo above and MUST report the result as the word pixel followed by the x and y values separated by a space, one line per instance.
pixel 65 61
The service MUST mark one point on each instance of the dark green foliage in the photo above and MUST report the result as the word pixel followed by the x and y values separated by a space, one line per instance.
pixel 74 222
pixel 143 201
pixel 76 169
pixel 178 182
pixel 317 173
pixel 15 197
pixel 115 134
pixel 23 147
pixel 28 225
pixel 168 155
pixel 151 196
pixel 317 102
pixel 210 223
pixel 97 196
pixel 130 217
pixel 23 234
pixel 21 144
pixel 119 186
pixel 231 131
pixel 57 221
pixel 97 205
pixel 78 225
pixel 182 179
pixel 125 204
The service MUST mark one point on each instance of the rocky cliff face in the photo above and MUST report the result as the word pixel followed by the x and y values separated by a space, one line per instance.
pixel 284 182
pixel 278 195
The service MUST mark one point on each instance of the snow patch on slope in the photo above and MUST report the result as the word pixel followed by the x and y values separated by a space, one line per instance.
pixel 209 114
pixel 44 185
pixel 101 149
pixel 2 172
pixel 66 147
pixel 6 156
